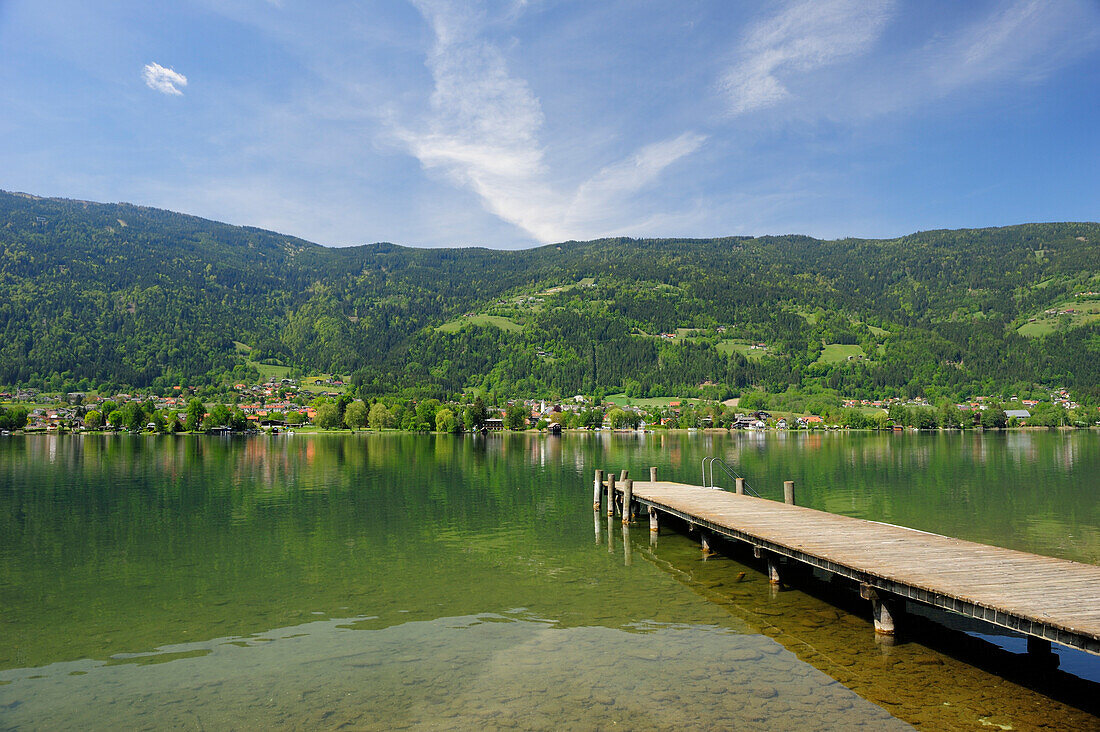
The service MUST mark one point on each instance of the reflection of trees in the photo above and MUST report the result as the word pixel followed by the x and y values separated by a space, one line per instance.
pixel 202 533
pixel 965 484
pixel 146 541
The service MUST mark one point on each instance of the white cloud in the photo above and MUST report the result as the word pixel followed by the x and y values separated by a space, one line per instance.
pixel 166 81
pixel 600 196
pixel 1014 42
pixel 1024 39
pixel 1003 30
pixel 807 35
pixel 483 134
pixel 786 56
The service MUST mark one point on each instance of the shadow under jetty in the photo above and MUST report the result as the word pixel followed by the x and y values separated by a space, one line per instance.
pixel 941 671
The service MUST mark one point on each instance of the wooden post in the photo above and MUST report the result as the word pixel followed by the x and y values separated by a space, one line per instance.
pixel 704 543
pixel 772 562
pixel 884 619
pixel 1040 654
pixel 882 611
pixel 628 550
pixel 610 535
pixel 596 515
pixel 611 494
pixel 788 492
pixel 624 475
pixel 740 486
pixel 653 475
pixel 628 499
pixel 654 527
pixel 597 489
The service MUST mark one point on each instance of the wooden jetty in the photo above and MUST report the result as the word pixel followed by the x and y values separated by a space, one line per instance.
pixel 1044 598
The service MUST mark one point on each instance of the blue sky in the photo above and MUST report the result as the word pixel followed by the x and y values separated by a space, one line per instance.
pixel 509 124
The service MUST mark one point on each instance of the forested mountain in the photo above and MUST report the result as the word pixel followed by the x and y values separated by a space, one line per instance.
pixel 124 295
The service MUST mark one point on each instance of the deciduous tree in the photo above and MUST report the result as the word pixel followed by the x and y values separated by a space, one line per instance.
pixel 355 415
pixel 328 416
pixel 380 417
pixel 93 420
pixel 445 420
pixel 515 416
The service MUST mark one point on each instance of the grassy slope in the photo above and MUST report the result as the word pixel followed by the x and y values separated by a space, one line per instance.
pixel 742 347
pixel 495 321
pixel 623 400
pixel 1086 312
pixel 836 353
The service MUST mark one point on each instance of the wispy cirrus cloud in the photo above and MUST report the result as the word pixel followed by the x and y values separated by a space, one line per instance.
pixel 1008 44
pixel 1019 39
pixel 805 36
pixel 483 133
pixel 164 80
pixel 1007 41
pixel 599 198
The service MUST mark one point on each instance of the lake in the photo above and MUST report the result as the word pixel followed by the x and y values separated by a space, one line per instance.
pixel 403 581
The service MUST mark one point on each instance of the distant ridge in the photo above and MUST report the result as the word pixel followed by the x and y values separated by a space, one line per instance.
pixel 116 294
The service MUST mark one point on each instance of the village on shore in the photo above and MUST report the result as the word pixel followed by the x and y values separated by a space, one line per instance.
pixel 326 404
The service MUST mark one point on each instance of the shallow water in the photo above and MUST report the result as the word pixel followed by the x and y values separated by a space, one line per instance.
pixel 399 581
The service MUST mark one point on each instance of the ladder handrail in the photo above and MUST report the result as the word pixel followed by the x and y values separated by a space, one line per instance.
pixel 709 461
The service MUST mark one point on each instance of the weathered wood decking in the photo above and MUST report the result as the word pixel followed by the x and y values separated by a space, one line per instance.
pixel 1043 597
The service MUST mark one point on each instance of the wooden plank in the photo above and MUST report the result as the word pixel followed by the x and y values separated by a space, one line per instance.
pixel 1046 596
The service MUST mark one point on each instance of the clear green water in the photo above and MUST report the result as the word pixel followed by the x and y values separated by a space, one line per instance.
pixel 393 581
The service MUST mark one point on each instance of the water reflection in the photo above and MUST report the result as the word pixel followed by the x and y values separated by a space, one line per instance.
pixel 119 545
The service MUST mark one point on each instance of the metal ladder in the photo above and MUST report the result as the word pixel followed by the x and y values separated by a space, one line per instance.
pixel 708 481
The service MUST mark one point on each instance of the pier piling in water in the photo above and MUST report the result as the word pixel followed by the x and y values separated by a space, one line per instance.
pixel 611 494
pixel 597 490
pixel 771 561
pixel 628 500
pixel 788 492
pixel 883 610
pixel 704 544
pixel 1041 654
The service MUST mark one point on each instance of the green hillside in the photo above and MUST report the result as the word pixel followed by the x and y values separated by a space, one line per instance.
pixel 113 294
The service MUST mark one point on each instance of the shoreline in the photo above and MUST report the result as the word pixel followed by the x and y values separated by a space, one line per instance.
pixel 710 431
